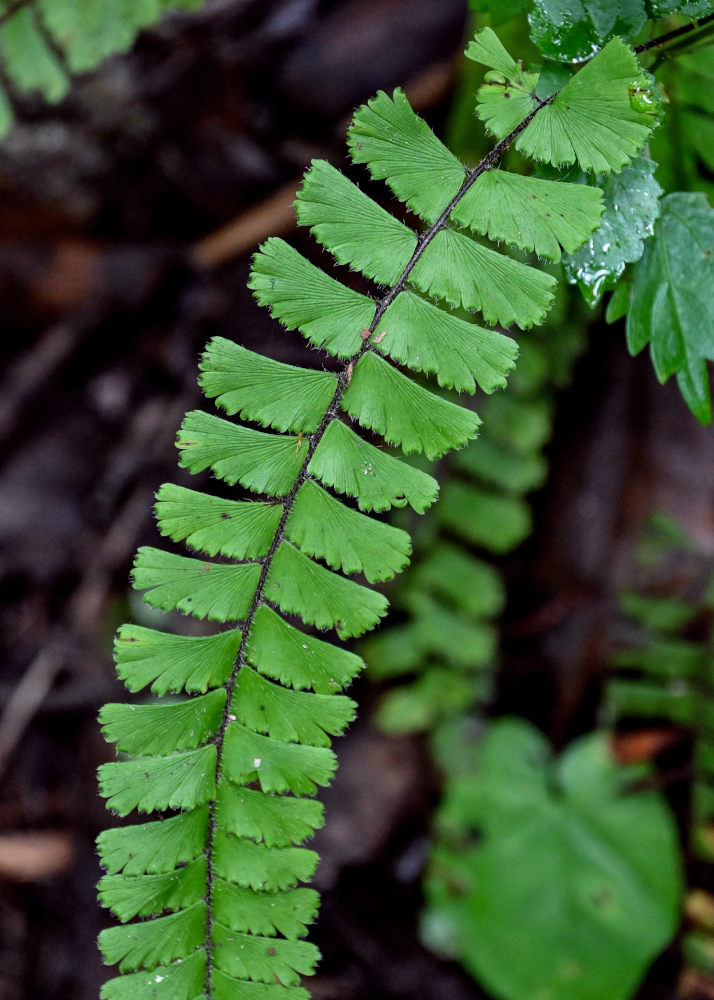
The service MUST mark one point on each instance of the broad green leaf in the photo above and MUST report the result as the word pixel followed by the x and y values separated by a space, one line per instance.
pixel 293 716
pixel 276 820
pixel 417 333
pixel 179 781
pixel 525 827
pixel 238 529
pixel 174 662
pixel 531 213
pixel 182 980
pixel 383 400
pixel 280 651
pixel 277 766
pixel 491 520
pixel 572 31
pixel 467 274
pixel 631 208
pixel 304 298
pixel 355 229
pixel 148 943
pixel 261 462
pixel 399 147
pixel 671 306
pixel 376 479
pixel 161 729
pixel 271 393
pixel 154 848
pixel 27 58
pixel 320 597
pixel 215 591
pixel 148 895
pixel 288 912
pixel 595 119
pixel 263 960
pixel 322 526
pixel 255 866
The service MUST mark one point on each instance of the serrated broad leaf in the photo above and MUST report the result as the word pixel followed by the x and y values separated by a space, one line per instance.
pixel 281 651
pixel 531 213
pixel 179 781
pixel 174 662
pixel 255 866
pixel 148 895
pixel 303 297
pixel 398 147
pixel 271 393
pixel 217 591
pixel 389 403
pixel 288 912
pixel 161 729
pixel 182 980
pixel 275 820
pixel 263 960
pixel 148 943
pixel 261 462
pixel 574 30
pixel 671 308
pixel 293 716
pixel 355 229
pixel 239 529
pixel 276 765
pixel 562 829
pixel 463 272
pixel 631 208
pixel 594 120
pixel 154 848
pixel 322 526
pixel 426 338
pixel 377 480
pixel 300 586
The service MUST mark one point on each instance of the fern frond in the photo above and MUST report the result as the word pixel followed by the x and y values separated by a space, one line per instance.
pixel 236 759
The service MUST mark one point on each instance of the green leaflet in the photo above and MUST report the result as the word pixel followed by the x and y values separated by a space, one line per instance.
pixel 428 339
pixel 304 298
pixel 179 781
pixel 467 274
pixel 403 413
pixel 324 527
pixel 276 765
pixel 287 655
pixel 322 598
pixel 354 228
pixel 165 982
pixel 530 213
pixel 293 716
pixel 238 529
pixel 263 463
pixel 206 590
pixel 467 583
pixel 271 393
pixel 173 662
pixel 287 913
pixel 146 895
pixel 276 820
pixel 161 729
pixel 255 866
pixel 249 956
pixel 671 305
pixel 496 522
pixel 416 165
pixel 375 479
pixel 154 848
pixel 154 942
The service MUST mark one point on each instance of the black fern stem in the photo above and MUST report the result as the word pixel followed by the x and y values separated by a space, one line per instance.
pixel 686 29
pixel 423 242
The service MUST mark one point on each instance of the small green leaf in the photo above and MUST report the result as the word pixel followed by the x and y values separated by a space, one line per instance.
pixel 174 662
pixel 149 895
pixel 161 729
pixel 260 959
pixel 276 820
pixel 277 766
pixel 150 943
pixel 154 848
pixel 182 979
pixel 574 30
pixel 288 912
pixel 255 866
pixel 491 520
pixel 179 781
pixel 403 413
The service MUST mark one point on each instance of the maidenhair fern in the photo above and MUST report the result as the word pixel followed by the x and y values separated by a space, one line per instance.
pixel 232 764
